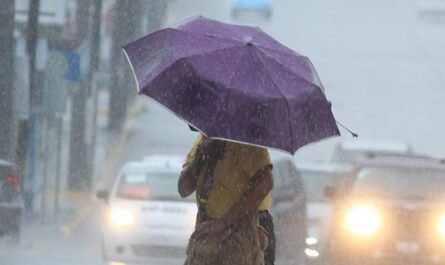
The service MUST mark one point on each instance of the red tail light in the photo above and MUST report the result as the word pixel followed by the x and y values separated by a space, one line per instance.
pixel 14 180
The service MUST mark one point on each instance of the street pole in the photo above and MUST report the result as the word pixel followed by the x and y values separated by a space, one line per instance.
pixel 127 24
pixel 59 162
pixel 156 13
pixel 92 78
pixel 6 75
pixel 45 131
pixel 32 34
pixel 117 105
pixel 77 178
pixel 95 42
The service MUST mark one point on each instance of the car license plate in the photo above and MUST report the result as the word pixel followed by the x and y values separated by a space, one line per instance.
pixel 407 247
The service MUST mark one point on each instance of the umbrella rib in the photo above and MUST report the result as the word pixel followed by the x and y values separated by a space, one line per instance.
pixel 204 34
pixel 287 49
pixel 290 70
pixel 282 94
pixel 186 58
pixel 237 69
pixel 182 58
pixel 291 52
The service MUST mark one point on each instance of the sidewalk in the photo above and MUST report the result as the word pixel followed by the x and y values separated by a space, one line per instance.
pixel 75 207
pixel 73 233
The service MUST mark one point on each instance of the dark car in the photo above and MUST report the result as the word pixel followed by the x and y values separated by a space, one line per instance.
pixel 289 211
pixel 392 211
pixel 11 203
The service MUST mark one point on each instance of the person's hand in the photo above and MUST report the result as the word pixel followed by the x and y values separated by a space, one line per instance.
pixel 208 229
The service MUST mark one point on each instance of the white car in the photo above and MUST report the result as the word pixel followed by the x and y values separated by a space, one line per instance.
pixel 146 220
pixel 356 150
pixel 317 177
pixel 431 6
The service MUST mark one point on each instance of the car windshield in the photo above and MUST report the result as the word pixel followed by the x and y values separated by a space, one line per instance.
pixel 412 183
pixel 315 183
pixel 159 186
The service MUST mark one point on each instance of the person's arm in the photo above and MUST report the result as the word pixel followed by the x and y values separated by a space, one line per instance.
pixel 260 185
pixel 189 176
pixel 187 179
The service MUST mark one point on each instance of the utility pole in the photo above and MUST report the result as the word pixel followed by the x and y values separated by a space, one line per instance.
pixel 77 178
pixel 127 22
pixel 155 14
pixel 95 60
pixel 6 74
pixel 27 148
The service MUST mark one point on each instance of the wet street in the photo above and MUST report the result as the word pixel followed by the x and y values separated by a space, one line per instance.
pixel 382 65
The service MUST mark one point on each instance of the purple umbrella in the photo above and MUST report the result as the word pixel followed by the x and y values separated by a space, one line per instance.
pixel 233 82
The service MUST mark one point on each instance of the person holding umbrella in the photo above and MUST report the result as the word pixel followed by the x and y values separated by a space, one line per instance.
pixel 245 92
pixel 264 216
pixel 230 180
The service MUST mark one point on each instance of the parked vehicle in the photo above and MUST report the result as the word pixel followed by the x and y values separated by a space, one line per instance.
pixel 390 211
pixel 288 210
pixel 353 150
pixel 11 201
pixel 147 220
pixel 260 6
pixel 316 177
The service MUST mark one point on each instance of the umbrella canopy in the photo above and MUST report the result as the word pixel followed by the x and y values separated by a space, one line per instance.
pixel 233 82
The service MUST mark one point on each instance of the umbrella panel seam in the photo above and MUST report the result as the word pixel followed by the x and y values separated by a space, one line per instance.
pixel 290 70
pixel 291 130
pixel 241 41
pixel 178 60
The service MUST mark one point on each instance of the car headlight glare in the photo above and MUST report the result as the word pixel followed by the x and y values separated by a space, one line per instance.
pixel 310 241
pixel 120 217
pixel 363 220
pixel 311 253
pixel 441 226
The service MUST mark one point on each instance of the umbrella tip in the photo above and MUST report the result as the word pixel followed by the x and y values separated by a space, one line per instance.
pixel 354 135
pixel 248 40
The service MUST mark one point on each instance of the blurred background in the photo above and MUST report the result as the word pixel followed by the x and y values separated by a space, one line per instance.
pixel 70 116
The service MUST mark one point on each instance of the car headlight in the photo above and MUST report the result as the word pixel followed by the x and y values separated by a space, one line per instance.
pixel 121 217
pixel 363 220
pixel 311 253
pixel 441 226
pixel 310 241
